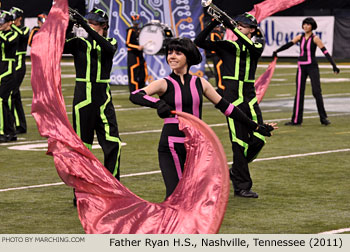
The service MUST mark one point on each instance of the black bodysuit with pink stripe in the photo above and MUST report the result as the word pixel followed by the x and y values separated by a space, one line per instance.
pixel 307 66
pixel 186 97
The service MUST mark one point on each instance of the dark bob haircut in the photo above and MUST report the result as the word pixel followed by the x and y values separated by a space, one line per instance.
pixel 311 22
pixel 187 47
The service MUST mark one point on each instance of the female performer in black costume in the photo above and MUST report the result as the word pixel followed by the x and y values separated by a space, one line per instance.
pixel 308 66
pixel 182 91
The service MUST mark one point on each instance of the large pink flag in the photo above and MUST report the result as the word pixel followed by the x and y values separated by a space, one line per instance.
pixel 265 9
pixel 199 201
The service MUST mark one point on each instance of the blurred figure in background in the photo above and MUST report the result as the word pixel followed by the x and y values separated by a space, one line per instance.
pixel 8 47
pixel 16 102
pixel 217 34
pixel 308 66
pixel 41 20
pixel 137 67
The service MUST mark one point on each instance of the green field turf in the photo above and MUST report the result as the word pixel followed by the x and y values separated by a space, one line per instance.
pixel 305 193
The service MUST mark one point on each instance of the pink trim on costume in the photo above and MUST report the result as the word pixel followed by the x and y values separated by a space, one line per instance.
pixel 229 110
pixel 151 99
pixel 136 91
pixel 171 141
pixel 195 96
pixel 308 48
pixel 178 95
pixel 147 97
pixel 171 120
pixel 302 47
pixel 297 95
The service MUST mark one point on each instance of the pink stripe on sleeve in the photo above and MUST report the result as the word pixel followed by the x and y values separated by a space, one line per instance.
pixel 150 98
pixel 229 110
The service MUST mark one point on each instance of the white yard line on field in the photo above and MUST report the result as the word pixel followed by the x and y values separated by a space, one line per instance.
pixel 337 231
pixel 158 171
pixel 159 130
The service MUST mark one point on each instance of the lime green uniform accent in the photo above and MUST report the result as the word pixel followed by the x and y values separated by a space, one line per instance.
pixel 106 126
pixel 81 105
pixel 1 118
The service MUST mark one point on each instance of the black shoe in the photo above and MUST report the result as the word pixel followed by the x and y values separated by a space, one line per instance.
pixel 3 139
pixel 325 122
pixel 20 131
pixel 246 194
pixel 292 124
pixel 11 138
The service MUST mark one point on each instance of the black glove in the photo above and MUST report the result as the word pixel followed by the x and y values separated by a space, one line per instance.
pixel 336 69
pixel 265 129
pixel 76 16
pixel 274 54
pixel 163 109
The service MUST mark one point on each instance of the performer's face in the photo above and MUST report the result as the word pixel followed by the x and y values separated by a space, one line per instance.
pixel 245 29
pixel 6 26
pixel 96 26
pixel 176 60
pixel 17 21
pixel 307 27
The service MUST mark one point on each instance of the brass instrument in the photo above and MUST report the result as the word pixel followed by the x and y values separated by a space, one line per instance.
pixel 219 15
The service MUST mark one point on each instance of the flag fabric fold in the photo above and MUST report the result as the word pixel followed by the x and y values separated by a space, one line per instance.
pixel 104 205
pixel 262 83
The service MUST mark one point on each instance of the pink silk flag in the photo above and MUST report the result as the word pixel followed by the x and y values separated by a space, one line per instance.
pixel 198 203
pixel 262 83
pixel 265 9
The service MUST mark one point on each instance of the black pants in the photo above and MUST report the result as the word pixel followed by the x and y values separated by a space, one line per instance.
pixel 16 102
pixel 171 156
pixel 137 70
pixel 93 111
pixel 7 84
pixel 302 73
pixel 246 144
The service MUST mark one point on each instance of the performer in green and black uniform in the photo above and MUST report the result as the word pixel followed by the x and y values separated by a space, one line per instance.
pixel 16 102
pixel 240 59
pixel 8 46
pixel 93 109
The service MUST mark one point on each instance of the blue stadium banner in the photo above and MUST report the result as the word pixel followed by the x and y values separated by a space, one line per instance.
pixel 184 17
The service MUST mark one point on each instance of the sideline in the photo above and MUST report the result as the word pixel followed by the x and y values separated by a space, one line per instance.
pixel 158 171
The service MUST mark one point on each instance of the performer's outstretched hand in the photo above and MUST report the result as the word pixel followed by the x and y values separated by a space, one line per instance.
pixel 266 128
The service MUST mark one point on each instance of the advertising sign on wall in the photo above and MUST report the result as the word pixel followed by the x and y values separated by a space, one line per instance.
pixel 280 30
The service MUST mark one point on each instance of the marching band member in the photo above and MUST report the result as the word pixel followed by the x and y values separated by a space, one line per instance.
pixel 137 67
pixel 182 91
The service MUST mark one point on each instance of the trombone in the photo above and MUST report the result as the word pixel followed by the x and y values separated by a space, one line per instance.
pixel 219 15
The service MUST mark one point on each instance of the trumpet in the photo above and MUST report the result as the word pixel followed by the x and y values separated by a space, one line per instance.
pixel 219 15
